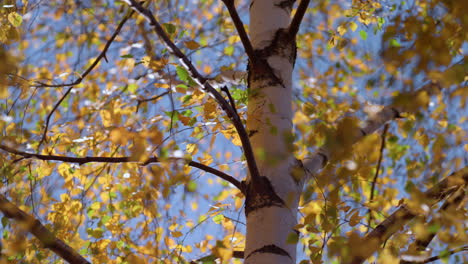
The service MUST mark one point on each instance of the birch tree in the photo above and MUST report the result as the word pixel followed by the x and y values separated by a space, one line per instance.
pixel 339 152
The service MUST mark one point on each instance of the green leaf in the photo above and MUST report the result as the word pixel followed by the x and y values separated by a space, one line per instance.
pixel 363 34
pixel 191 186
pixel 4 221
pixel 229 50
pixel 182 73
pixel 132 87
pixel 127 56
pixel 293 238
pixel 170 28
pixel 218 219
pixel 15 19
pixel 394 43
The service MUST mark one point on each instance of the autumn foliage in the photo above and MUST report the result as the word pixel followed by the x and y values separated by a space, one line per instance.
pixel 117 147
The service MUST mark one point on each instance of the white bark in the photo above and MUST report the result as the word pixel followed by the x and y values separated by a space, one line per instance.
pixel 269 124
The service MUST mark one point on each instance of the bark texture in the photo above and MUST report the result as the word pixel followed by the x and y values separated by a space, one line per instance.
pixel 271 204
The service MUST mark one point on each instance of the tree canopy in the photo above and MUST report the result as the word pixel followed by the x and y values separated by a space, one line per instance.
pixel 122 139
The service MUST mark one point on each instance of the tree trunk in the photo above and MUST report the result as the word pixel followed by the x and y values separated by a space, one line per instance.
pixel 271 205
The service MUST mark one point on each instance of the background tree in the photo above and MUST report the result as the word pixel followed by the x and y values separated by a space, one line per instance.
pixel 125 141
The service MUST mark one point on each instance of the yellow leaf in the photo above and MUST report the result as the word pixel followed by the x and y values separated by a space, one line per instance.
pixel 342 30
pixel 119 136
pixel 191 44
pixel 191 148
pixel 353 26
pixel 176 234
pixel 155 65
pixel 209 109
pixel 355 218
pixel 3 91
pixel 106 117
pixel 15 19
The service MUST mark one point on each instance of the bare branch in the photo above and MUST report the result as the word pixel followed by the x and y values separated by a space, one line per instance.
pixel 46 128
pixel 298 16
pixel 372 241
pixel 205 85
pixel 374 181
pixel 141 101
pixel 36 228
pixel 102 55
pixel 79 80
pixel 84 160
pixel 249 50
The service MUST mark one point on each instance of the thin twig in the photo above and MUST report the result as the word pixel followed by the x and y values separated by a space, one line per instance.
pixel 374 181
pixel 46 128
pixel 102 55
pixel 390 112
pixel 298 16
pixel 231 100
pixel 84 160
pixel 421 244
pixel 80 79
pixel 205 85
pixel 36 228
pixel 249 50
pixel 141 101
pixel 400 217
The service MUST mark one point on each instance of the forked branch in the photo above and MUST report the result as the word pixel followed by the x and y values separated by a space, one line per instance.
pixel 455 201
pixel 82 76
pixel 373 240
pixel 96 61
pixel 205 85
pixel 317 161
pixel 36 228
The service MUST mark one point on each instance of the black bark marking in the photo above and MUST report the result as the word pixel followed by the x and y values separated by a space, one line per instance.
pixel 260 195
pixel 281 45
pixel 286 4
pixel 272 249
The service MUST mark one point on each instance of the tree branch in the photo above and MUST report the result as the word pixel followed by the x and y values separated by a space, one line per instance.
pixel 318 160
pixel 79 80
pixel 421 244
pixel 98 58
pixel 374 181
pixel 205 85
pixel 141 101
pixel 449 253
pixel 297 19
pixel 84 160
pixel 249 50
pixel 46 128
pixel 372 241
pixel 36 228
